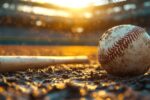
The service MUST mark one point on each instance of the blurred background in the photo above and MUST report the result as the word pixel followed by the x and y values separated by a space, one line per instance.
pixel 64 22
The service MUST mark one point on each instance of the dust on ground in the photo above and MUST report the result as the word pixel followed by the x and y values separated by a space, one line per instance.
pixel 68 81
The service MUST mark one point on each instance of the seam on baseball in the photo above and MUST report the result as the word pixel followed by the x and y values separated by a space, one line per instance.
pixel 119 46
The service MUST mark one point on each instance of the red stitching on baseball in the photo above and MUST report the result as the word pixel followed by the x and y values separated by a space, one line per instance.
pixel 118 48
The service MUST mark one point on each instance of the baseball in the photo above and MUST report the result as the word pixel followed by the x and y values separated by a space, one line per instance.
pixel 124 50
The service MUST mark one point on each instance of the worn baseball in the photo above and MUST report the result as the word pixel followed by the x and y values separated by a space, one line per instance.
pixel 124 50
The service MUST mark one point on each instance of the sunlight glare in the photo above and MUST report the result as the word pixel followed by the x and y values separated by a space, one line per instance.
pixel 87 15
pixel 42 11
pixel 74 4
pixel 71 3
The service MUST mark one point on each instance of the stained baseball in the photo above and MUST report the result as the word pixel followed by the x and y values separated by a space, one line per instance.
pixel 124 50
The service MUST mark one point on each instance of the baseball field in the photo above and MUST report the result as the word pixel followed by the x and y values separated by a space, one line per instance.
pixel 68 81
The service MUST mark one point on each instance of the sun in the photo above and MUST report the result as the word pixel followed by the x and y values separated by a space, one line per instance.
pixel 70 3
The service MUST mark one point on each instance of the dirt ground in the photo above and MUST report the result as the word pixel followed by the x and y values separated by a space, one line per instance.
pixel 68 81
